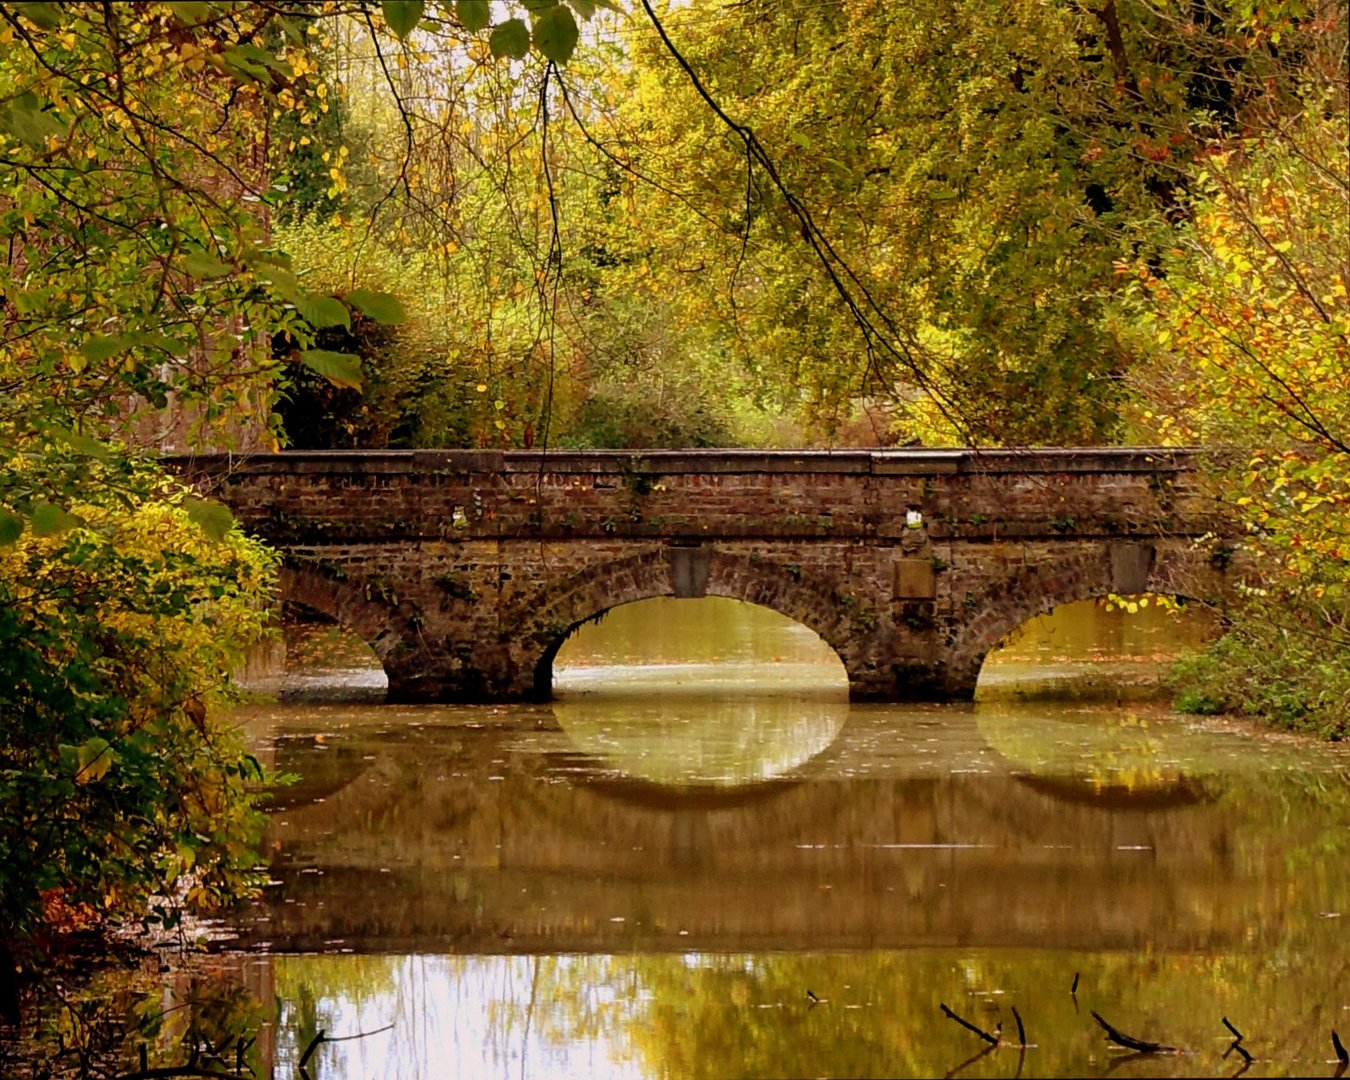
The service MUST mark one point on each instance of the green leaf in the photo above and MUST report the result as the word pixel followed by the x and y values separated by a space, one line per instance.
pixel 100 347
pixel 584 8
pixel 84 444
pixel 284 281
pixel 48 519
pixel 25 118
pixel 93 758
pixel 537 5
pixel 340 369
pixel 379 306
pixel 555 34
pixel 321 311
pixel 47 16
pixel 511 38
pixel 11 527
pixel 190 13
pixel 402 15
pixel 474 15
pixel 201 265
pixel 253 54
pixel 237 61
pixel 211 517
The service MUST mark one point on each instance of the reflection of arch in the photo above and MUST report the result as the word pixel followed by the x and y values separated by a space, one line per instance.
pixel 374 620
pixel 1183 791
pixel 550 614
pixel 1038 587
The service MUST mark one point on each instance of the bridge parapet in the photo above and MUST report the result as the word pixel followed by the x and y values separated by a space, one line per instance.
pixel 690 494
pixel 466 569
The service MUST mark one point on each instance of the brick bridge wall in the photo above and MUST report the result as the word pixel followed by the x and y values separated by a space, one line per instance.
pixel 466 570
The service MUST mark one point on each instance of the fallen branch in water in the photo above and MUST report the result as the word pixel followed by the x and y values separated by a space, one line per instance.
pixel 1118 1037
pixel 992 1040
pixel 968 1062
pixel 1341 1055
pixel 323 1037
pixel 1240 1049
pixel 314 1044
pixel 1229 1025
pixel 1021 1031
pixel 1073 990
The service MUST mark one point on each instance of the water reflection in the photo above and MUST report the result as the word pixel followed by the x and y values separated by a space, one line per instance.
pixel 687 693
pixel 1089 756
pixel 314 661
pixel 714 1016
pixel 496 835
pixel 564 891
pixel 1094 650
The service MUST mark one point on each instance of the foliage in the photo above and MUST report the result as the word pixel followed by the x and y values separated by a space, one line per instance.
pixel 920 203
pixel 1250 319
pixel 117 779
pixel 498 253
pixel 136 287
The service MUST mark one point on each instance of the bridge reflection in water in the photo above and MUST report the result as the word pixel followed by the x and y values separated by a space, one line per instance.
pixel 499 836
pixel 667 813
pixel 657 877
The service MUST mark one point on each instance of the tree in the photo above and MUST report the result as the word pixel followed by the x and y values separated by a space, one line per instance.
pixel 925 204
pixel 1251 319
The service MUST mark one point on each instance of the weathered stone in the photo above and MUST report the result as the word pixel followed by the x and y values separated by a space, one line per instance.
pixel 914 579
pixel 465 570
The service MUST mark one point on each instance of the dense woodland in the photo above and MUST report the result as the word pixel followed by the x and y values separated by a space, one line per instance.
pixel 575 223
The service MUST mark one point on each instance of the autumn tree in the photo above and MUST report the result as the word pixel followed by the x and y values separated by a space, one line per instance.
pixel 1248 323
pixel 922 204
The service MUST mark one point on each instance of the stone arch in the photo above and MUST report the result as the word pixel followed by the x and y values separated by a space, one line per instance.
pixel 374 620
pixel 1037 587
pixel 550 614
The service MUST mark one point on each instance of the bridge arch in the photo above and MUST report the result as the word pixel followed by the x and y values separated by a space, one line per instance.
pixel 551 613
pixel 349 604
pixel 1036 588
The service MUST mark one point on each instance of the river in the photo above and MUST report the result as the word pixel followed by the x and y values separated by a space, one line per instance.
pixel 702 860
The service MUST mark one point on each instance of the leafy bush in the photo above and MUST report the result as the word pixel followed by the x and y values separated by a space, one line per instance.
pixel 120 619
pixel 1250 325
pixel 1268 671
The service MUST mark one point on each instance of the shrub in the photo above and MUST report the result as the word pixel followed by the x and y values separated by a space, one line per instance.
pixel 119 622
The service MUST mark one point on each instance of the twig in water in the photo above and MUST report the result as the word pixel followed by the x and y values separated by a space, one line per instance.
pixel 1021 1031
pixel 968 1062
pixel 1130 1043
pixel 309 1050
pixel 1241 1050
pixel 990 1039
pixel 1074 988
pixel 1229 1025
pixel 1341 1055
pixel 323 1037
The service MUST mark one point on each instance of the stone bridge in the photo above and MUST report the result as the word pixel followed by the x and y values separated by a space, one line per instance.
pixel 466 570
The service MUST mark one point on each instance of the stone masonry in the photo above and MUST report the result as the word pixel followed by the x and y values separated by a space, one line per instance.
pixel 466 570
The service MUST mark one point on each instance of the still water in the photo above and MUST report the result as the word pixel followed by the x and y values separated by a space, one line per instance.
pixel 701 861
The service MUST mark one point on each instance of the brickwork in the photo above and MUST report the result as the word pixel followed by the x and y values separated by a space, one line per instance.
pixel 466 570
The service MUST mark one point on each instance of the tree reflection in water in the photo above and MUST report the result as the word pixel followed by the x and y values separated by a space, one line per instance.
pixel 519 905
